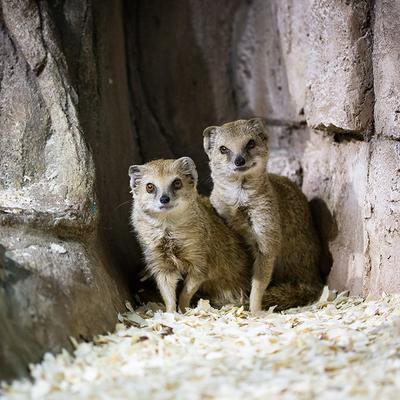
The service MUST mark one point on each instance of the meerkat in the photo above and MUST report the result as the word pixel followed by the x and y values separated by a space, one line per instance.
pixel 269 211
pixel 182 236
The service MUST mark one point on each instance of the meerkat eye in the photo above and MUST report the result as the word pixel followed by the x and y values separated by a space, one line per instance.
pixel 251 144
pixel 150 188
pixel 177 184
pixel 223 149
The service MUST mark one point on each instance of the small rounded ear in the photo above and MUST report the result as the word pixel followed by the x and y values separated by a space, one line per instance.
pixel 260 125
pixel 135 174
pixel 209 138
pixel 257 123
pixel 187 166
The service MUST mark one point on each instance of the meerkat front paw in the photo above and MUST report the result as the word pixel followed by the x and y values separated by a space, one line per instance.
pixel 183 304
pixel 255 308
pixel 256 295
pixel 170 308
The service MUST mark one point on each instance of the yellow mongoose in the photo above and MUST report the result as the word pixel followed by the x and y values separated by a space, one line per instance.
pixel 268 211
pixel 182 236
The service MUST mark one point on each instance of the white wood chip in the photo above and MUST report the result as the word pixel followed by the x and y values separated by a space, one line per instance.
pixel 339 348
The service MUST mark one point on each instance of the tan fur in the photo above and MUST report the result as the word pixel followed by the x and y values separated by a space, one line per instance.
pixel 269 211
pixel 188 241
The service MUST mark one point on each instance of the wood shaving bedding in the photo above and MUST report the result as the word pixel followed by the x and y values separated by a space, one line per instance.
pixel 339 348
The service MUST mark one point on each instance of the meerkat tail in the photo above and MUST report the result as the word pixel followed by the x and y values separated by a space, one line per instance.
pixel 289 295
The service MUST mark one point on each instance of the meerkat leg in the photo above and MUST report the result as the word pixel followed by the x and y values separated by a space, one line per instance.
pixel 167 283
pixel 262 274
pixel 190 287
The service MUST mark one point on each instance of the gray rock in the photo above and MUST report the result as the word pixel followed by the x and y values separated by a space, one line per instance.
pixel 359 183
pixel 68 255
pixel 386 57
pixel 294 28
pixel 335 176
pixel 340 98
pixel 260 81
pixel 48 295
pixel 383 219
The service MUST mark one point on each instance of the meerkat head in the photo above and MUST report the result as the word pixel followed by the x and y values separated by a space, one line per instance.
pixel 162 187
pixel 237 148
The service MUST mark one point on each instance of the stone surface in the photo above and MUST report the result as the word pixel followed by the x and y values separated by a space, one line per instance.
pixel 340 98
pixel 270 59
pixel 39 106
pixel 287 145
pixel 294 29
pixel 50 289
pixel 386 57
pixel 358 182
pixel 260 77
pixel 68 256
pixel 383 222
pixel 335 177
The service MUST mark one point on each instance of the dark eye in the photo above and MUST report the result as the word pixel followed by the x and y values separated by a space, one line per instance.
pixel 251 144
pixel 150 188
pixel 177 184
pixel 223 149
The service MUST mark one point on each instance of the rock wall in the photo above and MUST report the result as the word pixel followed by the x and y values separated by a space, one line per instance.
pixel 88 87
pixel 66 253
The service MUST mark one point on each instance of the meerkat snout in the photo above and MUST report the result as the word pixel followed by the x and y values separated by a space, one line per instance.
pixel 240 161
pixel 237 148
pixel 164 199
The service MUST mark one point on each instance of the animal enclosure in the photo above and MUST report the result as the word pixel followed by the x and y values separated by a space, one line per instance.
pixel 89 87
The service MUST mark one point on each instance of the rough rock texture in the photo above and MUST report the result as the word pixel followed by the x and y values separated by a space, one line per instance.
pixel 386 56
pixel 383 218
pixel 340 96
pixel 336 175
pixel 63 120
pixel 50 289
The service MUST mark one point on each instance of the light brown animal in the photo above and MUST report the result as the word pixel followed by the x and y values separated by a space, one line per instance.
pixel 182 236
pixel 269 211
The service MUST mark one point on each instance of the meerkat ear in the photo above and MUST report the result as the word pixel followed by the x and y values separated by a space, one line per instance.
pixel 259 124
pixel 135 174
pixel 209 138
pixel 187 166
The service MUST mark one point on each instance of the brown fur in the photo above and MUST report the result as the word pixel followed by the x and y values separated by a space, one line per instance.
pixel 269 211
pixel 188 241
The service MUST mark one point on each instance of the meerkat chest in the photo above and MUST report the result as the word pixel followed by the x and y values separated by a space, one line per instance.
pixel 176 249
pixel 241 220
pixel 237 211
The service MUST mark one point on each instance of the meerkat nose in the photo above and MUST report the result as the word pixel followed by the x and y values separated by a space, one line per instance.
pixel 239 161
pixel 164 199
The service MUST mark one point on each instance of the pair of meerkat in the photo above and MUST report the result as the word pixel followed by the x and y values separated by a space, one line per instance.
pixel 182 236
